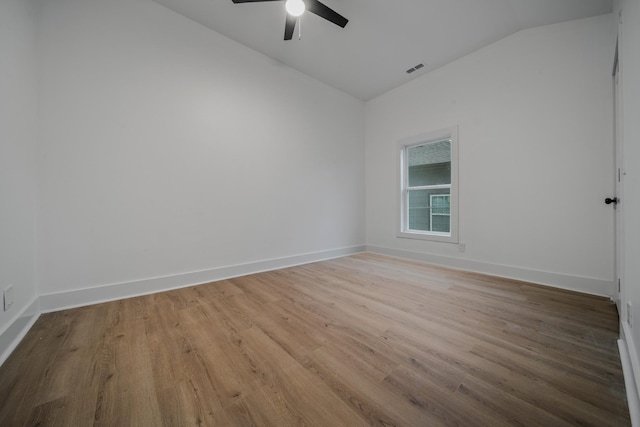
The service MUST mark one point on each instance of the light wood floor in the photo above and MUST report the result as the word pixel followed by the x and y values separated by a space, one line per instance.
pixel 361 340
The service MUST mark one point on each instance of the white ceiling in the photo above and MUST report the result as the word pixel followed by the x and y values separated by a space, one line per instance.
pixel 383 38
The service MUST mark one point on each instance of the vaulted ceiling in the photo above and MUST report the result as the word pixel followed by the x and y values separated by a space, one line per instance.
pixel 383 38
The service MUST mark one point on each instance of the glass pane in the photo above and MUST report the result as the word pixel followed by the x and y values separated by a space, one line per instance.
pixel 419 210
pixel 440 204
pixel 441 224
pixel 429 164
pixel 429 210
pixel 440 213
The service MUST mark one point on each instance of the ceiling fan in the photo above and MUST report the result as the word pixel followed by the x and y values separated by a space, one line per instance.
pixel 295 8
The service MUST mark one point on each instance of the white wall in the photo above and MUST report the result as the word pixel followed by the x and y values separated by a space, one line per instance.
pixel 167 149
pixel 629 33
pixel 17 162
pixel 534 112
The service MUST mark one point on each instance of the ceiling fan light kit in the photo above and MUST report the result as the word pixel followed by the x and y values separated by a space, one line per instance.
pixel 295 9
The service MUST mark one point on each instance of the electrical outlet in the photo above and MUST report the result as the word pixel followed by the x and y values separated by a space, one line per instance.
pixel 461 247
pixel 629 314
pixel 8 297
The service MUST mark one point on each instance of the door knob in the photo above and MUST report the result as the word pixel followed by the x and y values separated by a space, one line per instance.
pixel 609 200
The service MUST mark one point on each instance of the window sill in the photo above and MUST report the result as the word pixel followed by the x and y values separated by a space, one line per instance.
pixel 434 237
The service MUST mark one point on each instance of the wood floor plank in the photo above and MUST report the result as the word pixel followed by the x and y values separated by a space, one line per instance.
pixel 365 393
pixel 19 383
pixel 296 398
pixel 186 404
pixel 360 340
pixel 127 390
pixel 414 386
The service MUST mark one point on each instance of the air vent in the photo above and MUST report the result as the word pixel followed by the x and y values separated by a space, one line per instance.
pixel 416 68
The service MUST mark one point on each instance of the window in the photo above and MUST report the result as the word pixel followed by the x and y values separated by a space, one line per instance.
pixel 428 187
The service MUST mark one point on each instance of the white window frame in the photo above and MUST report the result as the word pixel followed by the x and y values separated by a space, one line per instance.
pixel 403 231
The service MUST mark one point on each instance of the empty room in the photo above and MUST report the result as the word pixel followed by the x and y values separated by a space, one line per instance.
pixel 319 213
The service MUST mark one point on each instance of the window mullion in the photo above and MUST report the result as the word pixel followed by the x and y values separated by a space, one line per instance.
pixel 430 187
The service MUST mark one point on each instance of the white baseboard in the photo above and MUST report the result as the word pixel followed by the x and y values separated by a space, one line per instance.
pixel 95 295
pixel 17 329
pixel 631 370
pixel 563 281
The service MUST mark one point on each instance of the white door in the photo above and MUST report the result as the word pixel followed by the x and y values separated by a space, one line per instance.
pixel 617 201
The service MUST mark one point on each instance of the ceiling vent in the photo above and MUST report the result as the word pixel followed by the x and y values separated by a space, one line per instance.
pixel 416 68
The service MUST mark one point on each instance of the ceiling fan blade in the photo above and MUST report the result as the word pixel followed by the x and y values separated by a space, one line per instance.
pixel 314 6
pixel 289 26
pixel 251 1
